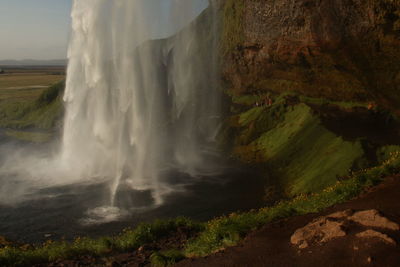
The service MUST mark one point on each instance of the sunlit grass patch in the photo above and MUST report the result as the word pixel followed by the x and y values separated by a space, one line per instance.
pixel 232 25
pixel 300 150
pixel 306 155
pixel 129 240
pixel 43 111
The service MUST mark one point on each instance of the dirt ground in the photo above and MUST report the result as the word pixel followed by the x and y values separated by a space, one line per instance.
pixel 270 246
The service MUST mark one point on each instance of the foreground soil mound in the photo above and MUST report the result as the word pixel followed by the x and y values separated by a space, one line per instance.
pixel 342 223
pixel 361 232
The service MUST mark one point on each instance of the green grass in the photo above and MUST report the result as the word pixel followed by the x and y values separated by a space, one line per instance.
pixel 27 94
pixel 127 241
pixel 305 154
pixel 299 150
pixel 251 115
pixel 247 100
pixel 250 100
pixel 166 258
pixel 42 111
pixel 232 26
pixel 384 153
pixel 28 80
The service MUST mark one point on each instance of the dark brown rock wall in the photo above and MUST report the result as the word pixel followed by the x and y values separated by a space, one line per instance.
pixel 338 49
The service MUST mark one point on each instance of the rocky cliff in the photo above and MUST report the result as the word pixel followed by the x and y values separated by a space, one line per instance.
pixel 313 84
pixel 336 49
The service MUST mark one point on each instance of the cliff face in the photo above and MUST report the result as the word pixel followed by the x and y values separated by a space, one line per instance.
pixel 337 49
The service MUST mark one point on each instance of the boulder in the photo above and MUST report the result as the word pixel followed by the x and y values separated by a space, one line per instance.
pixel 375 234
pixel 320 231
pixel 372 218
pixel 327 228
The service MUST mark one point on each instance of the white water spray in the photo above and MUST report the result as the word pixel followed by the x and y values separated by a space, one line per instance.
pixel 136 108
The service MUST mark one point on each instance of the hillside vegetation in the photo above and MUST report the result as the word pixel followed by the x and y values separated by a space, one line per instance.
pixel 32 114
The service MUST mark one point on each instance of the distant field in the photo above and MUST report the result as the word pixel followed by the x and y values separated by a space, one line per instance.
pixel 30 101
pixel 19 81
pixel 13 95
pixel 34 69
pixel 29 78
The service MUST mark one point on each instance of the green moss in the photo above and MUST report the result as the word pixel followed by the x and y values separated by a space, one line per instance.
pixel 166 258
pixel 232 26
pixel 341 104
pixel 306 155
pixel 251 115
pixel 248 100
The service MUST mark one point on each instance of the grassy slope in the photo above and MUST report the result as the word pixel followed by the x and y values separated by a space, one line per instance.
pixel 127 241
pixel 309 155
pixel 40 110
pixel 291 139
pixel 28 80
pixel 232 27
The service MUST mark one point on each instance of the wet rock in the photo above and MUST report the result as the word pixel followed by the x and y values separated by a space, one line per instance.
pixel 375 234
pixel 372 218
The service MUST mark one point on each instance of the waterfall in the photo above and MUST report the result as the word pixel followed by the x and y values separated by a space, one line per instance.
pixel 137 107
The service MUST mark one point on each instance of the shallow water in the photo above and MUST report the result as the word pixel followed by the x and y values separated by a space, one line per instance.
pixel 78 210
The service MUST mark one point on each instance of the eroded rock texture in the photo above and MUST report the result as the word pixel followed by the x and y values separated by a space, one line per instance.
pixel 338 224
pixel 339 49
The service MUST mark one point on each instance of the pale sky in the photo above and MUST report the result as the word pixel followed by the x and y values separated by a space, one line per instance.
pixel 40 29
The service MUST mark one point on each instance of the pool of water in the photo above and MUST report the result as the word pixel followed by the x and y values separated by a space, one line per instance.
pixel 80 209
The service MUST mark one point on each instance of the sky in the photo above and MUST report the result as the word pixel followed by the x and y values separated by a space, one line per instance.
pixel 40 29
pixel 34 29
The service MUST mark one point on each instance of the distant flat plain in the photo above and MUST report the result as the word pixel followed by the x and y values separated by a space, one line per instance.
pixel 28 82
pixel 20 87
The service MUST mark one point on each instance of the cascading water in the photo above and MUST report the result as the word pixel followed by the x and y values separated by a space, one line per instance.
pixel 142 114
pixel 137 108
